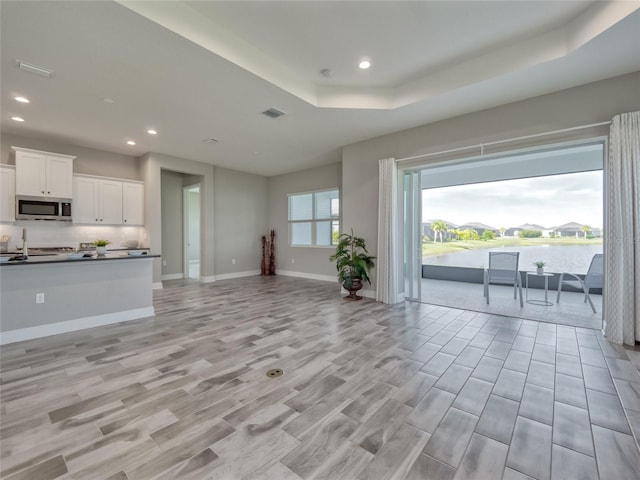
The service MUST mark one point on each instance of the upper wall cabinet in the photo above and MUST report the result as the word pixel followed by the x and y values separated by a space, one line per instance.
pixel 132 203
pixel 43 174
pixel 107 201
pixel 7 194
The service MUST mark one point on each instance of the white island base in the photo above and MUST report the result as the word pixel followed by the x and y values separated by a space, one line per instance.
pixel 77 295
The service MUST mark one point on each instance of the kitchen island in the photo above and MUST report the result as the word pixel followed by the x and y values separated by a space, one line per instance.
pixel 48 295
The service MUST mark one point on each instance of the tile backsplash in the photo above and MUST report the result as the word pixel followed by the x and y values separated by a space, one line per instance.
pixel 66 234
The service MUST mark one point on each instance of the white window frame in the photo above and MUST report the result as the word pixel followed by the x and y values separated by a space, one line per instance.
pixel 313 221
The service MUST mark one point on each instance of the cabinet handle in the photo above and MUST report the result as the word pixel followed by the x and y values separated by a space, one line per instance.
pixel 125 220
pixel 42 192
pixel 96 219
pixel 49 193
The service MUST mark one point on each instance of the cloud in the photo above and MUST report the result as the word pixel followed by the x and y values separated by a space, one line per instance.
pixel 547 201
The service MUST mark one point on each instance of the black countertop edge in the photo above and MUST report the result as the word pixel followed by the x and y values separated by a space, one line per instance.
pixel 64 259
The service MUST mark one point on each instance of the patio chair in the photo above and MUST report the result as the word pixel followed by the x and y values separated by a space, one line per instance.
pixel 593 279
pixel 503 270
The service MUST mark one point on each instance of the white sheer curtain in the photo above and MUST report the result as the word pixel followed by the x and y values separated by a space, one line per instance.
pixel 386 262
pixel 622 231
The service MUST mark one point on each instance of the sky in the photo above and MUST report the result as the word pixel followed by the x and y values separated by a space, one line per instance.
pixel 547 201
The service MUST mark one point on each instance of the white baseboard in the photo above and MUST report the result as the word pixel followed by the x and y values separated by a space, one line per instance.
pixel 156 286
pixel 310 276
pixel 172 276
pixel 22 334
pixel 210 279
pixel 228 276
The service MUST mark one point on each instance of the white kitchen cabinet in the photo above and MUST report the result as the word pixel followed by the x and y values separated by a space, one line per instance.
pixel 96 200
pixel 43 174
pixel 7 194
pixel 110 203
pixel 132 203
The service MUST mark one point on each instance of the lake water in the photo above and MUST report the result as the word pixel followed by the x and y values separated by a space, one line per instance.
pixel 559 258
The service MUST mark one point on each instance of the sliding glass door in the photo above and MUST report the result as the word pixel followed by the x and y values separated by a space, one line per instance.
pixel 412 235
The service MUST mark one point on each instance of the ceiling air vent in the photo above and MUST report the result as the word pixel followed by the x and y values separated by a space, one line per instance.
pixel 273 113
pixel 29 67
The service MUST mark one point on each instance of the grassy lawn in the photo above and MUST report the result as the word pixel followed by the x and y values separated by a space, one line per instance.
pixel 453 246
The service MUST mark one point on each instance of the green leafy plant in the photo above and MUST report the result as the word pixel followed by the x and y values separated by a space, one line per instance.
pixel 101 243
pixel 540 264
pixel 352 259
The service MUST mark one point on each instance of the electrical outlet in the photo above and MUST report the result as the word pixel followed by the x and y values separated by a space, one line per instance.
pixel 164 263
pixel 293 260
pixel 39 297
pixel 233 261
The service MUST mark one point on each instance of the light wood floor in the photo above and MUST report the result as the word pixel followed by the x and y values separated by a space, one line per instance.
pixel 370 391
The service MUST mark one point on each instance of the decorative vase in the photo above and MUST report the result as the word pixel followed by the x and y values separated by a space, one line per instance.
pixel 101 251
pixel 540 270
pixel 356 284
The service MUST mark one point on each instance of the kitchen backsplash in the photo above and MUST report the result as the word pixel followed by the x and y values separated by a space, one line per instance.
pixel 63 234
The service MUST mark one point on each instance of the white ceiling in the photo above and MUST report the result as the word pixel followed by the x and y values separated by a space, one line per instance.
pixel 198 69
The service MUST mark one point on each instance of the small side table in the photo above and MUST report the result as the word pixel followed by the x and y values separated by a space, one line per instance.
pixel 545 302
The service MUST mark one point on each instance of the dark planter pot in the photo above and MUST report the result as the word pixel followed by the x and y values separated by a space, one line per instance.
pixel 356 284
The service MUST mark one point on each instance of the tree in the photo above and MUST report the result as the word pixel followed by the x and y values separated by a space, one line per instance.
pixel 469 234
pixel 488 235
pixel 438 227
pixel 502 230
pixel 585 229
pixel 530 233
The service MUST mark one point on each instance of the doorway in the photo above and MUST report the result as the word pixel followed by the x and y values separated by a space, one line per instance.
pixel 545 203
pixel 191 196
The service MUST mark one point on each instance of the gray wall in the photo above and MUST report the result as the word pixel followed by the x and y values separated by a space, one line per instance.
pixel 240 220
pixel 307 260
pixel 587 104
pixel 89 161
pixel 172 223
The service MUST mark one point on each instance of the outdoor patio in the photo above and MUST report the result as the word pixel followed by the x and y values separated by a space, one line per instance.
pixel 570 311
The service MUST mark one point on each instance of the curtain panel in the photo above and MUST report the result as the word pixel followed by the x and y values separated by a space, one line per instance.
pixel 387 264
pixel 622 231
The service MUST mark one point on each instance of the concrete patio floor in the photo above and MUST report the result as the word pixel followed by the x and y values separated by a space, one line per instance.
pixel 570 311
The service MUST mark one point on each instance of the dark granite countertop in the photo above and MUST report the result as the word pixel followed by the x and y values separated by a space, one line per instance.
pixel 64 258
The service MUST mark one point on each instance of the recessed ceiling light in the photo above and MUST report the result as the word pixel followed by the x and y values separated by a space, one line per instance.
pixel 151 131
pixel 17 119
pixel 364 64
pixel 22 99
pixel 130 142
pixel 108 100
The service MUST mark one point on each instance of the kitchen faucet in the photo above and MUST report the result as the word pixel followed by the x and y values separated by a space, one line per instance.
pixel 25 249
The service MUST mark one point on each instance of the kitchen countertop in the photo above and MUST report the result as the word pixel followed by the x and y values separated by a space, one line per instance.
pixel 63 258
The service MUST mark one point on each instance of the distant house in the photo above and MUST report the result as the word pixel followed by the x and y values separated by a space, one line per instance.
pixel 479 227
pixel 513 232
pixel 571 229
pixel 428 232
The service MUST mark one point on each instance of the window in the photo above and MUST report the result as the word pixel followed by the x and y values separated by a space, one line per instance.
pixel 314 218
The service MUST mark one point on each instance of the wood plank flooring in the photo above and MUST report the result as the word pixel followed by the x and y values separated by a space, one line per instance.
pixel 370 391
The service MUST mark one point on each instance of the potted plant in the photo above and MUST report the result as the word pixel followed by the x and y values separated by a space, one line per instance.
pixel 540 266
pixel 353 263
pixel 101 246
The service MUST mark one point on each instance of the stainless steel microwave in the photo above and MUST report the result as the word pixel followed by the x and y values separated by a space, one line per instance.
pixel 37 208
